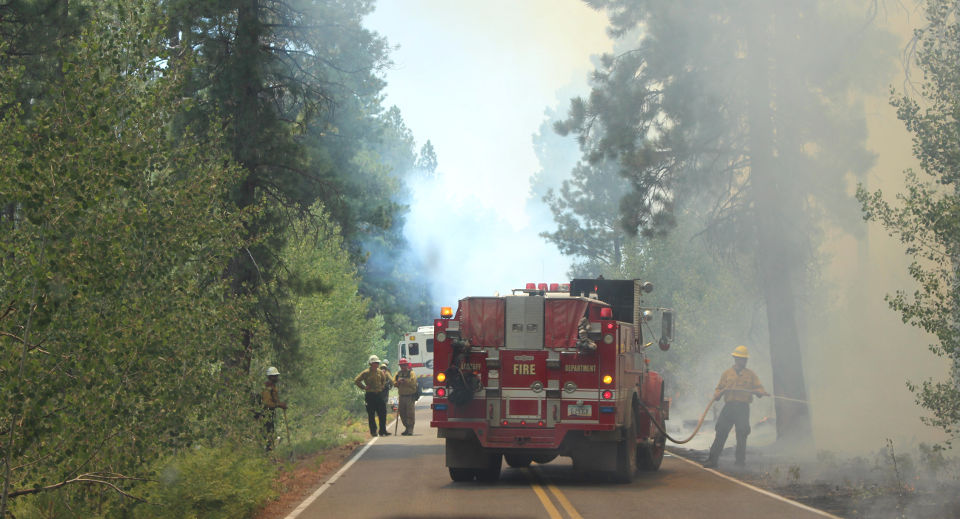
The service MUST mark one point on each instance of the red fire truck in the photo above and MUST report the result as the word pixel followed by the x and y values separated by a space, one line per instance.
pixel 549 371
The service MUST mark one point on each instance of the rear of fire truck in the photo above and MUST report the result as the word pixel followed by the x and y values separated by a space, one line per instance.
pixel 550 371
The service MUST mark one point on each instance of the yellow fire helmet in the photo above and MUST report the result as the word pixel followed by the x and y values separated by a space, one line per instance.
pixel 741 351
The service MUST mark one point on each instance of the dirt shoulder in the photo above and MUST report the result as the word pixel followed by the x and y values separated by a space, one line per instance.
pixel 298 479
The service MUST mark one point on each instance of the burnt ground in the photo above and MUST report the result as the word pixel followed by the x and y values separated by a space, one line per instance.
pixel 856 487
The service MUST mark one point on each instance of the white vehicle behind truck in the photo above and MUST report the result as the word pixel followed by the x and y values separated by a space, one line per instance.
pixel 417 348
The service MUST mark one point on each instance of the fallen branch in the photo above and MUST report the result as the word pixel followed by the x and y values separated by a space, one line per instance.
pixel 100 478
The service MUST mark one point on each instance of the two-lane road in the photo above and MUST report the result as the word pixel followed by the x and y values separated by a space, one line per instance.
pixel 404 476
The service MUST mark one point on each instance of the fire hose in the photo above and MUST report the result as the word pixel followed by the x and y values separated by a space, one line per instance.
pixel 702 416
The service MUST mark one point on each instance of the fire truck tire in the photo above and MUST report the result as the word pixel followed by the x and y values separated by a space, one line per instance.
pixel 650 454
pixel 518 461
pixel 544 458
pixel 461 475
pixel 627 454
pixel 492 473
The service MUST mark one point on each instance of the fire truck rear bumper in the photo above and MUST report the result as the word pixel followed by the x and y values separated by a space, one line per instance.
pixel 523 437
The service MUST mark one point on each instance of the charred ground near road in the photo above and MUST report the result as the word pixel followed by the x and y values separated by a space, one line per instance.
pixel 855 487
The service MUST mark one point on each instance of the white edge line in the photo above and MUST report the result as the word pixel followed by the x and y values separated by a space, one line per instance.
pixel 313 497
pixel 760 490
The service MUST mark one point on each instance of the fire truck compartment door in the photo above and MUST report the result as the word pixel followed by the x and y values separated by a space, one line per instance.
pixel 523 381
pixel 524 322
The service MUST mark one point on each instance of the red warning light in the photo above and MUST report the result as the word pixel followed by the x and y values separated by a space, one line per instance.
pixel 606 313
pixel 542 286
pixel 531 286
pixel 607 394
pixel 441 392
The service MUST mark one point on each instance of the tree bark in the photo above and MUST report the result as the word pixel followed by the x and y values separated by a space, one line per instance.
pixel 780 258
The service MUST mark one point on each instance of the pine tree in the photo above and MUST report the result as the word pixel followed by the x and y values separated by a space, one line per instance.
pixel 744 103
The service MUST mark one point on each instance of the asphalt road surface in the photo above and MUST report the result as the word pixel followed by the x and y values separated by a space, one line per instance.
pixel 405 477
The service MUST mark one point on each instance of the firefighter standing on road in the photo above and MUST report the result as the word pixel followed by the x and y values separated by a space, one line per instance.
pixel 270 398
pixel 406 382
pixel 372 381
pixel 737 387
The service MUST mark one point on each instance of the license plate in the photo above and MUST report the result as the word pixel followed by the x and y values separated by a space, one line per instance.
pixel 579 410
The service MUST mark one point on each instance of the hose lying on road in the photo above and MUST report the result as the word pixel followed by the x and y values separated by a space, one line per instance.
pixel 700 421
pixel 671 438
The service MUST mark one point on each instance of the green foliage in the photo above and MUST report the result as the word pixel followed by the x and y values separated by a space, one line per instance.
pixel 299 87
pixel 114 240
pixel 926 218
pixel 336 331
pixel 228 482
pixel 189 192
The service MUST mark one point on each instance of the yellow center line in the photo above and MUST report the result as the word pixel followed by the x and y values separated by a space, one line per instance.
pixel 544 498
pixel 571 511
pixel 562 499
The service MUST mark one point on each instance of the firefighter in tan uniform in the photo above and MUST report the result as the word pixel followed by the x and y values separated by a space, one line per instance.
pixel 270 398
pixel 372 381
pixel 737 387
pixel 406 382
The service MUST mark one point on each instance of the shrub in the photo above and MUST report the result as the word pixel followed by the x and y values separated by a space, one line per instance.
pixel 209 483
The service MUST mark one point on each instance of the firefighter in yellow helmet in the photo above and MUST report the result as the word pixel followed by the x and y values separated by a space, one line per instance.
pixel 371 381
pixel 737 387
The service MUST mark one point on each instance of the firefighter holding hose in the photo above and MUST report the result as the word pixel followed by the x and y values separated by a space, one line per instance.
pixel 737 387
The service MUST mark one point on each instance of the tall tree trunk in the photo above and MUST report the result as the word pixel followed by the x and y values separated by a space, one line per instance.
pixel 779 258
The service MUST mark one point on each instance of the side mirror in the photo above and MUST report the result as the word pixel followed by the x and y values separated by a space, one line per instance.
pixel 666 327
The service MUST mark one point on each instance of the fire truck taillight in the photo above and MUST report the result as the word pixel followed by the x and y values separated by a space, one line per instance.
pixel 441 392
pixel 608 327
pixel 540 423
pixel 441 377
pixel 607 379
pixel 607 394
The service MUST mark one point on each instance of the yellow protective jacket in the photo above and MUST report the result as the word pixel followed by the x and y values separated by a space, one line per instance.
pixel 406 382
pixel 370 380
pixel 270 397
pixel 738 387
